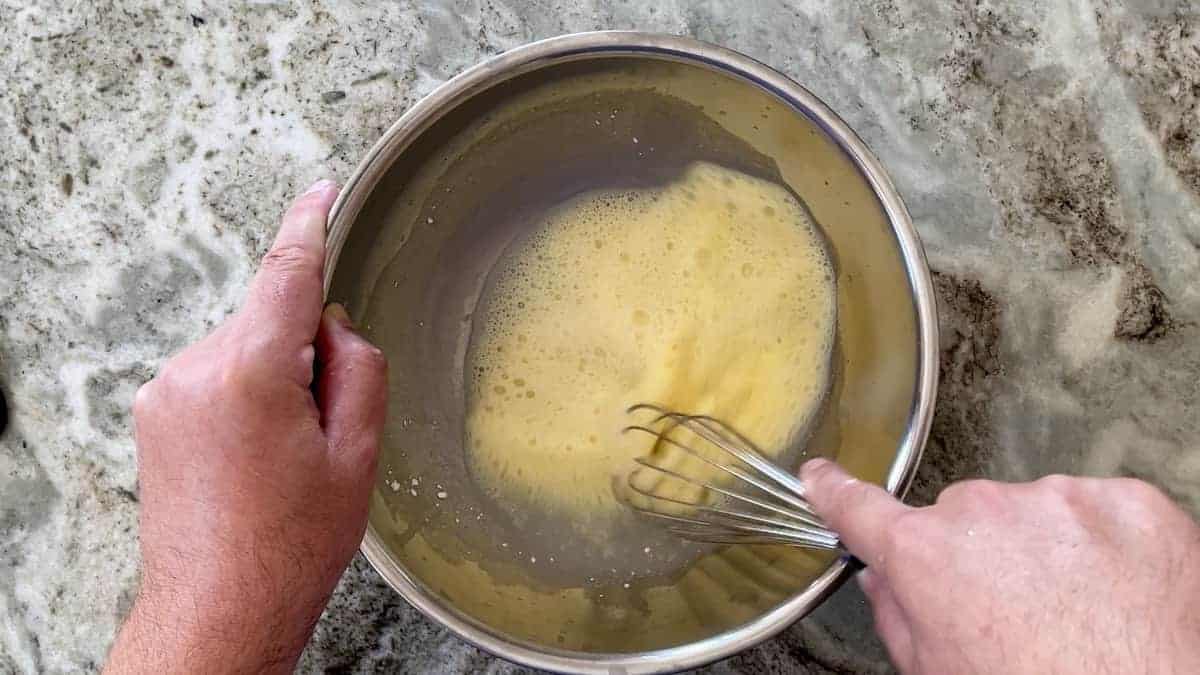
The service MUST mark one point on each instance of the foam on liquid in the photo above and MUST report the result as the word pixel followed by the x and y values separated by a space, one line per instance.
pixel 713 294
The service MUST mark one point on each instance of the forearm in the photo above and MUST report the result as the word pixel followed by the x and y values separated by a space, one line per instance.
pixel 229 635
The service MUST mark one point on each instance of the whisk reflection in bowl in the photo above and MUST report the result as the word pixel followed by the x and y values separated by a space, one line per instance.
pixel 745 499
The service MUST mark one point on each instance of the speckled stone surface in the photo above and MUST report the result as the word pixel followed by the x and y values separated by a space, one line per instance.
pixel 1048 152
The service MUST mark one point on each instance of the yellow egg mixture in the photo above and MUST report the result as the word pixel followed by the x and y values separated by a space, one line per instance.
pixel 712 294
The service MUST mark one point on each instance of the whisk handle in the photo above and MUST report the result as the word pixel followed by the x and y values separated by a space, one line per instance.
pixel 854 564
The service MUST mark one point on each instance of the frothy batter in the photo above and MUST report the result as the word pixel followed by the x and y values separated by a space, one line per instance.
pixel 712 294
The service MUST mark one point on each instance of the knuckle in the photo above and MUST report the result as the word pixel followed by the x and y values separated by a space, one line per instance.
pixel 144 400
pixel 972 493
pixel 850 496
pixel 288 258
pixel 171 388
pixel 954 492
pixel 986 489
pixel 162 387
pixel 1058 491
pixel 1058 483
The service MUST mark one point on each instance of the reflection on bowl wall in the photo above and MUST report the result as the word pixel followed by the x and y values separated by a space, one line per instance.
pixel 460 177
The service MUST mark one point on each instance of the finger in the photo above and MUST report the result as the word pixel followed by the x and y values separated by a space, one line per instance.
pixel 286 294
pixel 351 391
pixel 891 623
pixel 858 511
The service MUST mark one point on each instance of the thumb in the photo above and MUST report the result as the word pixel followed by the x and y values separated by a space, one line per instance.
pixel 858 511
pixel 351 391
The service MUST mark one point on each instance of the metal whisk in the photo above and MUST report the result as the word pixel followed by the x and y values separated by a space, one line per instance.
pixel 744 498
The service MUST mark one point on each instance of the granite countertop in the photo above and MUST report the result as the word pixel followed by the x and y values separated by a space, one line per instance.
pixel 1049 155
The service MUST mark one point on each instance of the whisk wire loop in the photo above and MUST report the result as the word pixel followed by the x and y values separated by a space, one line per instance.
pixel 779 514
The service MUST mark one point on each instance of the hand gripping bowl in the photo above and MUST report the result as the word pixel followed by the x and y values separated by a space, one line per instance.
pixel 435 202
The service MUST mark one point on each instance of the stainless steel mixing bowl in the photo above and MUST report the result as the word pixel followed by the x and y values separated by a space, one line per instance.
pixel 436 200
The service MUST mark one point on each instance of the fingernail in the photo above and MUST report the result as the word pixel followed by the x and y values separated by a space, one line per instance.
pixel 319 186
pixel 337 312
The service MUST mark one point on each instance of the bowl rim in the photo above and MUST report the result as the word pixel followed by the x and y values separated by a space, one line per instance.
pixel 577 46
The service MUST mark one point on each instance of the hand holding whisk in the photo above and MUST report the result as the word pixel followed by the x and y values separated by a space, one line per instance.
pixel 743 498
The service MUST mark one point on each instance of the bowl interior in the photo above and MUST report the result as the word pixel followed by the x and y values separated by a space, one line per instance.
pixel 411 271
